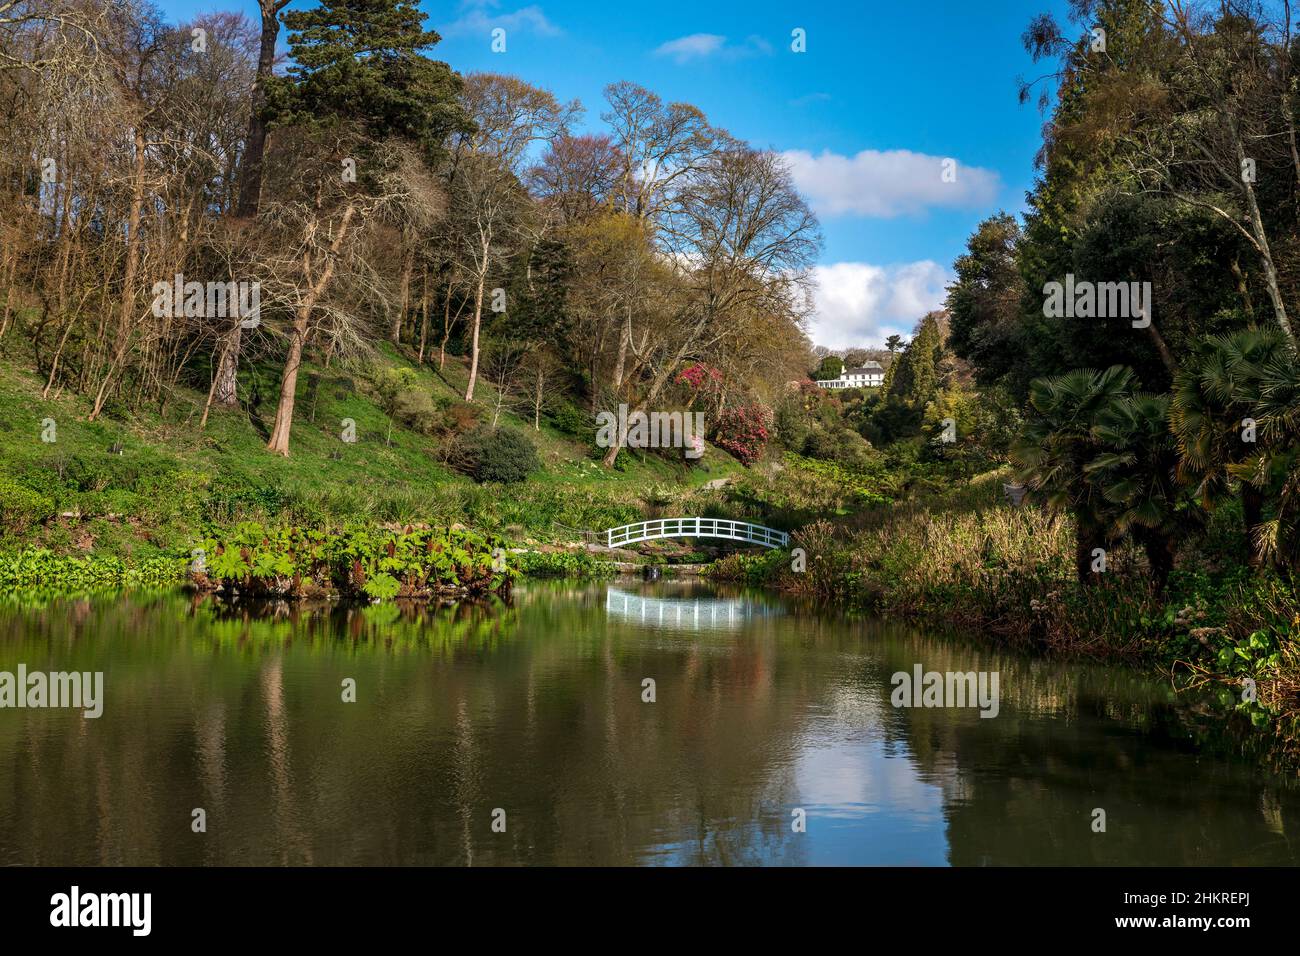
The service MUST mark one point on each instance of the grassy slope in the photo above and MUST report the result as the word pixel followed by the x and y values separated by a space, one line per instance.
pixel 169 476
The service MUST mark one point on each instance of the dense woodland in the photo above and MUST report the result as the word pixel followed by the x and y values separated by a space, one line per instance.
pixel 388 205
pixel 1170 156
pixel 378 198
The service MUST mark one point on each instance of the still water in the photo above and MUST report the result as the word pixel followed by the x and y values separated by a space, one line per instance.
pixel 536 709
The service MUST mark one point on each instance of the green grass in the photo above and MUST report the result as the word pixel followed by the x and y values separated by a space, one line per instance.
pixel 172 482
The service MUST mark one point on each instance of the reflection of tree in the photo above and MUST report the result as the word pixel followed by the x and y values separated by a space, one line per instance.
pixel 535 707
pixel 1020 789
pixel 210 739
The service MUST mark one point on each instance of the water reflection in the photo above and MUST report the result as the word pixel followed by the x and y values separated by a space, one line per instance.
pixel 536 707
pixel 689 613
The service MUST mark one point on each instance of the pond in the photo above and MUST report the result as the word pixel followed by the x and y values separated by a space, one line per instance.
pixel 526 734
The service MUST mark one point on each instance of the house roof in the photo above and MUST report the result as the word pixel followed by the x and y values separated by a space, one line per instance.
pixel 869 367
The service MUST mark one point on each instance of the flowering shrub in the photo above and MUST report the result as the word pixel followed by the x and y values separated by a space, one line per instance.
pixel 744 431
pixel 699 375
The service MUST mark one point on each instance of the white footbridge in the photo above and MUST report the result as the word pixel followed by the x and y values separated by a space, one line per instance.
pixel 695 528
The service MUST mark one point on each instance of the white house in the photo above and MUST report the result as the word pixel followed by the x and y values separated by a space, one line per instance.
pixel 870 375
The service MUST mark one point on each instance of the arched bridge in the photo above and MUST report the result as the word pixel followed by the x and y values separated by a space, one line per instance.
pixel 695 528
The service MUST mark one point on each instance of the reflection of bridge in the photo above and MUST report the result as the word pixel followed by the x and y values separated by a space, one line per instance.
pixel 692 613
pixel 696 528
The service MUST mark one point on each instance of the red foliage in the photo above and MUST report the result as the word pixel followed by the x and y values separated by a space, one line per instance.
pixel 744 431
pixel 699 375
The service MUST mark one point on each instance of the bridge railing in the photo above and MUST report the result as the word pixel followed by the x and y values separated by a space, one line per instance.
pixel 696 528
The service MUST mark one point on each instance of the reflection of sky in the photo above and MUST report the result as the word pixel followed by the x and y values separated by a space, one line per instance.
pixel 863 794
pixel 863 804
pixel 865 799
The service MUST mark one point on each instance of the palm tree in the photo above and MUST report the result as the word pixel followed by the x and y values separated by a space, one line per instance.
pixel 1057 442
pixel 1273 470
pixel 1135 470
pixel 1215 393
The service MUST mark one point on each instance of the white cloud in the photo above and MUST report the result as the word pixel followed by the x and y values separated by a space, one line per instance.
pixel 480 18
pixel 859 304
pixel 695 46
pixel 888 183
pixel 699 46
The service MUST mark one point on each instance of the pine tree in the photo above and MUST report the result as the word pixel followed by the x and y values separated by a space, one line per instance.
pixel 361 61
pixel 914 378
pixel 358 84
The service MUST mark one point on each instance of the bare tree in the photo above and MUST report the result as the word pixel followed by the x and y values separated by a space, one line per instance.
pixel 741 242
pixel 320 222
pixel 659 145
pixel 488 200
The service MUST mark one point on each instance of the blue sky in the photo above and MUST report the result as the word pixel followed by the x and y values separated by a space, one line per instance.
pixel 883 94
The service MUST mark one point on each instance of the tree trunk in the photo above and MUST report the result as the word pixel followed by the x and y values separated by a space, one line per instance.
pixel 624 341
pixel 127 314
pixel 279 442
pixel 537 399
pixel 250 180
pixel 612 454
pixel 424 313
pixel 11 291
pixel 58 352
pixel 207 405
pixel 1162 349
pixel 447 322
pixel 1087 538
pixel 1266 255
pixel 1242 290
pixel 1252 511
pixel 408 263
pixel 224 390
pixel 478 319
pixel 1160 556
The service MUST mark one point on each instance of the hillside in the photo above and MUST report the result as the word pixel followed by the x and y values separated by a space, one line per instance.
pixel 147 480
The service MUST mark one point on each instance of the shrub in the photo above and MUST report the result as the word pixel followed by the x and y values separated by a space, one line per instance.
pixel 566 564
pixel 416 410
pixel 21 507
pixel 744 430
pixel 571 420
pixel 502 455
pixel 253 559
pixel 793 424
pixel 456 418
pixel 232 498
pixel 755 569
pixel 41 569
pixel 820 444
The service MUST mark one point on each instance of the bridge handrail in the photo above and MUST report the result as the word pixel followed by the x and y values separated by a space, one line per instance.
pixel 653 528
